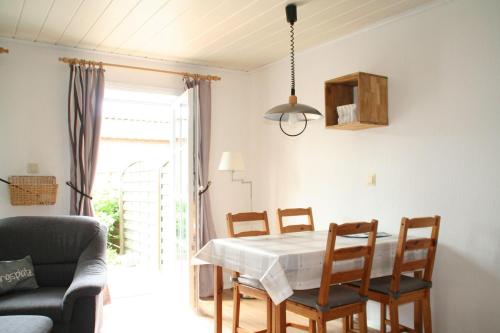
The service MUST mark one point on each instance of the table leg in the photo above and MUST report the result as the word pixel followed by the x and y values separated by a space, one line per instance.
pixel 218 287
pixel 279 317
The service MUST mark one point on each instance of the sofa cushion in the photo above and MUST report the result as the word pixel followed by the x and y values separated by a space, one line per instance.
pixel 54 242
pixel 25 324
pixel 17 275
pixel 44 301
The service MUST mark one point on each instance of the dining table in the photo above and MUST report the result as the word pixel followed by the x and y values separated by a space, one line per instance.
pixel 287 262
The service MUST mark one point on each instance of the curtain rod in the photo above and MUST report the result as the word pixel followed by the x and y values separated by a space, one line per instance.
pixel 97 63
pixel 3 50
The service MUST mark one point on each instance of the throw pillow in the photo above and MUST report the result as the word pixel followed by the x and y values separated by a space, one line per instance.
pixel 17 275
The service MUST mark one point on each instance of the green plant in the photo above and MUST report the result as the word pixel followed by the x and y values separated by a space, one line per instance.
pixel 112 257
pixel 181 228
pixel 107 210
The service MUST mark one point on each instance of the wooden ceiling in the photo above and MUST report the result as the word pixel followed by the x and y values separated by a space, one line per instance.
pixel 236 34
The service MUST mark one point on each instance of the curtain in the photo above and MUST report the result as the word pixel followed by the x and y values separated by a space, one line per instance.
pixel 200 100
pixel 86 92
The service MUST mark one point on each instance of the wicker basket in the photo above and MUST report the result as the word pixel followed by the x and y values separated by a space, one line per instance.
pixel 32 190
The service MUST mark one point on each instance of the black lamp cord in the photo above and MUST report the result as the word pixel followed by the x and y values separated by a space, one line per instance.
pixel 292 59
pixel 292 79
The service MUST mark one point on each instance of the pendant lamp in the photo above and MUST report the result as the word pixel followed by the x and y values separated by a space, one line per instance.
pixel 292 111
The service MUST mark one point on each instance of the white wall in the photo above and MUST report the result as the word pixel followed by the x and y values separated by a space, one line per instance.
pixel 439 155
pixel 33 117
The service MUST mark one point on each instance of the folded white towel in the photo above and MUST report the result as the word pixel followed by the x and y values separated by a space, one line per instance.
pixel 347 113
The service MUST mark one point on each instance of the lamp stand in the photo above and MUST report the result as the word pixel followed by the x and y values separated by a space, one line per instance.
pixel 242 181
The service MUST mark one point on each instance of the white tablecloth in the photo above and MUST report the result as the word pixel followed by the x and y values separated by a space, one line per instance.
pixel 292 261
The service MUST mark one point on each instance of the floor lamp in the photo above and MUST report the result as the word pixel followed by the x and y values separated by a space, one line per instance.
pixel 233 161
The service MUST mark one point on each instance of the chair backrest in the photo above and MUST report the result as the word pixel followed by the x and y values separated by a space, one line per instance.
pixel 281 213
pixel 404 245
pixel 348 253
pixel 233 219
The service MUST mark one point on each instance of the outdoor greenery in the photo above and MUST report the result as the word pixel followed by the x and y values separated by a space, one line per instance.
pixel 181 228
pixel 107 210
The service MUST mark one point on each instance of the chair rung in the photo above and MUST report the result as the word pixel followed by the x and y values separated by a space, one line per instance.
pixel 418 244
pixel 402 328
pixel 261 331
pixel 298 326
pixel 254 292
pixel 352 252
pixel 346 276
pixel 297 227
pixel 423 222
pixel 413 265
pixel 245 330
pixel 250 233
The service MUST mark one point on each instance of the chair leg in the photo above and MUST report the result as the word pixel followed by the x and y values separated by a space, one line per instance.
pixel 321 325
pixel 362 321
pixel 417 308
pixel 417 316
pixel 426 307
pixel 312 326
pixel 269 309
pixel 383 316
pixel 236 308
pixel 345 324
pixel 394 316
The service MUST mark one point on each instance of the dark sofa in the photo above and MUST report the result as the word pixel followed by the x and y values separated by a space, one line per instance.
pixel 68 254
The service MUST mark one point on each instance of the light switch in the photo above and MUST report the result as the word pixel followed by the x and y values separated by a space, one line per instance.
pixel 372 180
pixel 32 168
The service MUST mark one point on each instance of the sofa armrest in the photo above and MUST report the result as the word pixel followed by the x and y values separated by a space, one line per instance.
pixel 89 280
pixel 90 274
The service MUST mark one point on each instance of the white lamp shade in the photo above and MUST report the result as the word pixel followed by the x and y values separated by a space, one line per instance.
pixel 231 161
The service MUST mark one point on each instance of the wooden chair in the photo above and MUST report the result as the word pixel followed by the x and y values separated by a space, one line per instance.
pixel 233 219
pixel 292 212
pixel 281 213
pixel 245 285
pixel 333 300
pixel 398 289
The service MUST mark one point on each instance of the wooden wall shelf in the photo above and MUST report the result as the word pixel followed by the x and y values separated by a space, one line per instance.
pixel 371 100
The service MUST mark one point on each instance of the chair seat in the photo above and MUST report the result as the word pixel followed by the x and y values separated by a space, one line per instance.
pixel 339 295
pixel 43 301
pixel 250 282
pixel 407 284
pixel 25 324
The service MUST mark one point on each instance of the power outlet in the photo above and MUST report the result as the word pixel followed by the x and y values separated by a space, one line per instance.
pixel 372 180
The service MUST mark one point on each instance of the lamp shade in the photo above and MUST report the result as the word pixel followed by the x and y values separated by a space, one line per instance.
pixel 285 110
pixel 231 161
